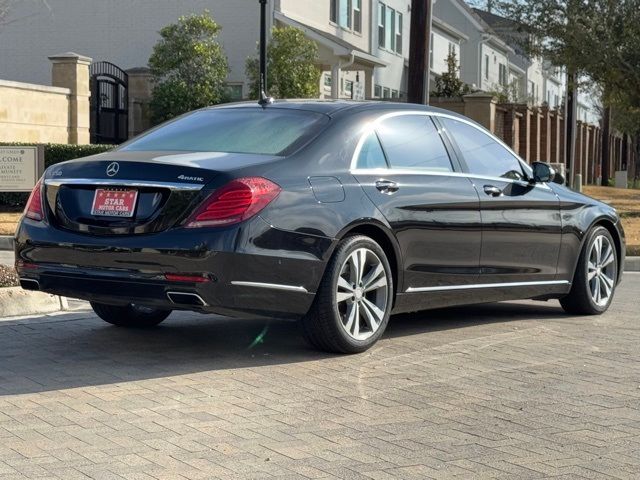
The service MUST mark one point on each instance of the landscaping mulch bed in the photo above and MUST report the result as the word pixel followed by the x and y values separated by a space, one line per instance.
pixel 8 277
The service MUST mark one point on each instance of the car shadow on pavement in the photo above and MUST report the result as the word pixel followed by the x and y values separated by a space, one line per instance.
pixel 70 351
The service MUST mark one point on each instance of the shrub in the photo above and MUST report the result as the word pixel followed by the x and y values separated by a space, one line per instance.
pixel 189 67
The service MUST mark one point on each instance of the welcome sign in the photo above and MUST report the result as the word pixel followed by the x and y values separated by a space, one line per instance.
pixel 20 168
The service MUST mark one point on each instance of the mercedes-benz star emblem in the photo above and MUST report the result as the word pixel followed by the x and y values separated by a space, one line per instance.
pixel 113 169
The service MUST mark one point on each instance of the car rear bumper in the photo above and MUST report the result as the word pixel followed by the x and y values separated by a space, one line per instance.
pixel 243 273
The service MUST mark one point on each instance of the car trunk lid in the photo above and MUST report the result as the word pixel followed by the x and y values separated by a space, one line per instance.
pixel 125 193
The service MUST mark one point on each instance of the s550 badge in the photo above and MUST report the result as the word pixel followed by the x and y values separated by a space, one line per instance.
pixel 191 179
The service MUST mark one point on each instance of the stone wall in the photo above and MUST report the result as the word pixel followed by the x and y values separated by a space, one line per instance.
pixel 48 114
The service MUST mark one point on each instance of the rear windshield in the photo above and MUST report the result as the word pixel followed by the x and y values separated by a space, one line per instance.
pixel 268 131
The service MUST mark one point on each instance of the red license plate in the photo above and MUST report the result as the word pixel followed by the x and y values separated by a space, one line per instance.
pixel 114 203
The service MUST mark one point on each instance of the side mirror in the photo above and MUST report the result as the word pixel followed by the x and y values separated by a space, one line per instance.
pixel 559 179
pixel 542 172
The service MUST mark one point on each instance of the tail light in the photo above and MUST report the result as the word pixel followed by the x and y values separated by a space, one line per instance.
pixel 235 202
pixel 33 210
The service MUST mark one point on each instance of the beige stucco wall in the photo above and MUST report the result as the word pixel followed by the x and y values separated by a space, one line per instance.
pixel 33 113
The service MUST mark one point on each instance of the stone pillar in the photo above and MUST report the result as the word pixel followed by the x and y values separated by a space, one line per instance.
pixel 481 107
pixel 335 81
pixel 545 135
pixel 535 135
pixel 140 90
pixel 70 70
pixel 524 141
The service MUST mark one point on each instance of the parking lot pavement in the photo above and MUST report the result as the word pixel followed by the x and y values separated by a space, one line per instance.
pixel 512 390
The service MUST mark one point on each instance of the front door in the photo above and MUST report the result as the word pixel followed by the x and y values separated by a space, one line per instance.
pixel 406 171
pixel 522 227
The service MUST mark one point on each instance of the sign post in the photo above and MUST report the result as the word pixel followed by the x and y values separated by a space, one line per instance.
pixel 20 167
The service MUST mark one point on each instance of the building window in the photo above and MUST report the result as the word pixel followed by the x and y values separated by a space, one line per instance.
pixel 382 16
pixel 486 67
pixel 386 93
pixel 390 41
pixel 502 78
pixel 394 93
pixel 431 51
pixel 357 15
pixel 390 28
pixel 234 91
pixel 377 91
pixel 399 33
pixel 327 80
pixel 346 13
pixel 348 88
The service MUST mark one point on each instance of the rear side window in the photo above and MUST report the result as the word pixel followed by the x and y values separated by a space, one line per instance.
pixel 371 154
pixel 413 142
pixel 269 131
pixel 482 154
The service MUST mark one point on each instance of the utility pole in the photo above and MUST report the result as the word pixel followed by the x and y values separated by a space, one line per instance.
pixel 419 51
pixel 264 98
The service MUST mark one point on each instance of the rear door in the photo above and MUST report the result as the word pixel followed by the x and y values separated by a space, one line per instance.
pixel 522 227
pixel 405 168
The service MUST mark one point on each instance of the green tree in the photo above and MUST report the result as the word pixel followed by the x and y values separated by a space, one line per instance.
pixel 449 83
pixel 291 66
pixel 189 67
pixel 596 39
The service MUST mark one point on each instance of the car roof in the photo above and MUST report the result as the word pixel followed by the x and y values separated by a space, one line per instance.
pixel 333 107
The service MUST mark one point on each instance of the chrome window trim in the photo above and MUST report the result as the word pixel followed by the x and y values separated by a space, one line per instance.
pixel 354 170
pixel 407 171
pixel 272 286
pixel 476 286
pixel 123 183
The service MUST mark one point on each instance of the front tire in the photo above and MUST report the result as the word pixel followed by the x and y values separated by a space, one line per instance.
pixel 353 303
pixel 134 316
pixel 596 276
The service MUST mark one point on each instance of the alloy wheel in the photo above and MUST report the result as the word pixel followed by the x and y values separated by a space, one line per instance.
pixel 362 294
pixel 601 270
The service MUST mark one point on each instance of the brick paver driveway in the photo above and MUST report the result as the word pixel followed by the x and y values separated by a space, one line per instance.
pixel 513 390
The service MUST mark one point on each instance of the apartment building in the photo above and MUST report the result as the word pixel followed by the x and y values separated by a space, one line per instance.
pixel 363 44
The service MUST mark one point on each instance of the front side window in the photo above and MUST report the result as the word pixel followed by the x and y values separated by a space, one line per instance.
pixel 486 67
pixel 482 153
pixel 345 14
pixel 413 142
pixel 270 131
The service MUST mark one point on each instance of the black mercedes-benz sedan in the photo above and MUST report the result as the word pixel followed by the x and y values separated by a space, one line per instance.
pixel 334 213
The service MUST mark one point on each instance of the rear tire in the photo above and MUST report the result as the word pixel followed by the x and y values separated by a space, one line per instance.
pixel 596 276
pixel 134 316
pixel 353 303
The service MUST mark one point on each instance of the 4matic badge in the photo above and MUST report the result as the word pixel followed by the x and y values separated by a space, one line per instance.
pixel 191 179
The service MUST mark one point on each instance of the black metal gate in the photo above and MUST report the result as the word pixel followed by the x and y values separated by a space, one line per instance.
pixel 109 103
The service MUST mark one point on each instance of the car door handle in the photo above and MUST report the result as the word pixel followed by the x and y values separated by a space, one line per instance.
pixel 387 186
pixel 492 191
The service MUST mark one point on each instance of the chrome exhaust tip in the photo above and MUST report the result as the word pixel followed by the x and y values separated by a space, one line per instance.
pixel 186 299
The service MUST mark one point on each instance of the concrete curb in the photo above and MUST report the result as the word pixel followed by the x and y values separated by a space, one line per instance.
pixel 15 301
pixel 632 264
pixel 6 242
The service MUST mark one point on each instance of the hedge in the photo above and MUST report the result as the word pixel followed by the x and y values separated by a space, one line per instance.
pixel 53 153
